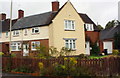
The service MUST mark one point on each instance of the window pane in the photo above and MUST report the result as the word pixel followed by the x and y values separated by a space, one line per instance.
pixel 67 46
pixel 65 24
pixel 13 47
pixel 72 24
pixel 33 30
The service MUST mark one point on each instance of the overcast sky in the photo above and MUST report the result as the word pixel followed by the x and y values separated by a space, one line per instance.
pixel 100 11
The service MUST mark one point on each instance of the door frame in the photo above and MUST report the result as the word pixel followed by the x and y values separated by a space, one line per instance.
pixel 26 48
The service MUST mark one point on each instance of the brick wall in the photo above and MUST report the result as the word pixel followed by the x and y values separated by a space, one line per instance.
pixel 94 36
pixel 5 47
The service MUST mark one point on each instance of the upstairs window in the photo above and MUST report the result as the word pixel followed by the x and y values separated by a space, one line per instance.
pixel 69 25
pixel 34 45
pixel 35 30
pixel 6 34
pixel 25 32
pixel 89 27
pixel 16 46
pixel 70 44
pixel 16 33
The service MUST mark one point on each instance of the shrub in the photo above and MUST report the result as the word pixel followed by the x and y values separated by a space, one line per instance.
pixel 13 55
pixel 115 52
pixel 82 56
pixel 23 69
pixel 42 52
pixel 69 68
pixel 1 53
pixel 95 49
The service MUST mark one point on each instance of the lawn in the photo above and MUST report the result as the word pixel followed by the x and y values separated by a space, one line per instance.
pixel 97 57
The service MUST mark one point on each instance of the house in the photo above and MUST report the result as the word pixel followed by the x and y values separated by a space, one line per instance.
pixel 63 27
pixel 107 38
pixel 91 33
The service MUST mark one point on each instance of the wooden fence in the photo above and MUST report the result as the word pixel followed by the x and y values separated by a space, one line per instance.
pixel 105 66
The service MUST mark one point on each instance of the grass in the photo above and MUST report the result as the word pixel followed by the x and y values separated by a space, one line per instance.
pixel 97 57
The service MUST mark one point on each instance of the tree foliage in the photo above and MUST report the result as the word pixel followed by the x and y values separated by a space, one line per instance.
pixel 109 24
pixel 100 27
pixel 95 49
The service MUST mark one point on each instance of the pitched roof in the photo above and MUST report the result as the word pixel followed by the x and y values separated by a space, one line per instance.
pixel 5 24
pixel 86 19
pixel 34 20
pixel 44 19
pixel 109 33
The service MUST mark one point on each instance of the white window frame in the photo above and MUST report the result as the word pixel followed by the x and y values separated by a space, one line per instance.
pixel 69 24
pixel 16 45
pixel 35 29
pixel 0 34
pixel 70 44
pixel 16 33
pixel 25 31
pixel 34 44
pixel 89 27
pixel 7 34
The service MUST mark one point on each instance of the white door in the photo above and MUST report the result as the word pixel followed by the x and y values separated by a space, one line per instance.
pixel 109 46
pixel 25 49
pixel 87 47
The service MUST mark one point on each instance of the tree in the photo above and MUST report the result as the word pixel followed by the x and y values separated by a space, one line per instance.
pixel 100 27
pixel 95 49
pixel 42 51
pixel 111 24
pixel 117 41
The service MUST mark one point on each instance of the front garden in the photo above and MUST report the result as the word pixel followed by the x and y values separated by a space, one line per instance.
pixel 45 65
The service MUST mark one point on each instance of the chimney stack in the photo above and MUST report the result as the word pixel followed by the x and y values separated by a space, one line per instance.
pixel 2 16
pixel 55 6
pixel 20 14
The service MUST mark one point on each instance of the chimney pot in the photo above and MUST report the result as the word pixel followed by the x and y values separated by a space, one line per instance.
pixel 20 14
pixel 2 16
pixel 55 6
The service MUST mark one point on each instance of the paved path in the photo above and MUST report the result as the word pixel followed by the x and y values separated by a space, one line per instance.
pixel 9 75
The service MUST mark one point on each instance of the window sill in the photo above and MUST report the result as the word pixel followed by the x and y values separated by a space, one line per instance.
pixel 69 30
pixel 15 35
pixel 35 33
pixel 73 49
pixel 15 50
pixel 33 50
pixel 25 34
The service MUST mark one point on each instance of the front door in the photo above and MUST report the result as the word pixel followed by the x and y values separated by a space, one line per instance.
pixel 25 49
pixel 87 47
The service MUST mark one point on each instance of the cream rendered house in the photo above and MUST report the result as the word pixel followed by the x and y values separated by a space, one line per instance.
pixel 62 27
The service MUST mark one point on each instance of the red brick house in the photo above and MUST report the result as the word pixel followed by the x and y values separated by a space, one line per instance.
pixel 107 38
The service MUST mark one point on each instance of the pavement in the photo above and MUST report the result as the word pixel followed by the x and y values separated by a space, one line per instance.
pixel 9 75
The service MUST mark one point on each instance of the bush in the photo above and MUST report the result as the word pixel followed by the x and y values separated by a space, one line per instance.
pixel 82 56
pixel 23 69
pixel 69 68
pixel 115 52
pixel 13 55
pixel 95 49
pixel 1 54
